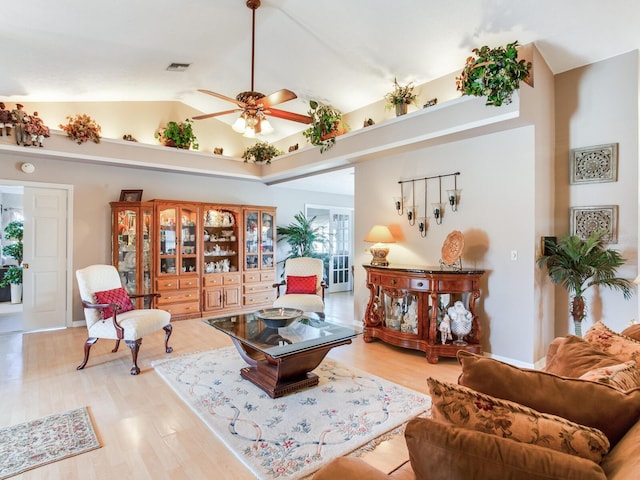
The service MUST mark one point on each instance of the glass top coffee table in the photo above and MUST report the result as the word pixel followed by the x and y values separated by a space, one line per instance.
pixel 281 358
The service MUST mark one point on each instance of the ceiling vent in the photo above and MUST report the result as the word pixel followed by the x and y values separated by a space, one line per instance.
pixel 178 67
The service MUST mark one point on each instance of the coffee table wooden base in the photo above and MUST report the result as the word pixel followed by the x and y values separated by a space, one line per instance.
pixel 282 375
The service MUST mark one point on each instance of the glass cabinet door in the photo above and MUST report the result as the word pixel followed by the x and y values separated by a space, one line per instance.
pixel 251 255
pixel 168 241
pixel 127 220
pixel 267 235
pixel 188 240
pixel 146 227
pixel 400 312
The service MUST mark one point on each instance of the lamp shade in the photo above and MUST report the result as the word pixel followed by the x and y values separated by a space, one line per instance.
pixel 637 280
pixel 379 234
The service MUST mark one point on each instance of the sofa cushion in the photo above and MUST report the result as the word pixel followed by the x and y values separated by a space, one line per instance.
pixel 467 408
pixel 632 332
pixel 117 296
pixel 615 344
pixel 572 356
pixel 444 452
pixel 624 376
pixel 581 401
pixel 623 461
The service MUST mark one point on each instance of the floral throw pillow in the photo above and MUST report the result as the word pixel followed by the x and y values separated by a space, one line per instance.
pixel 633 331
pixel 617 345
pixel 117 296
pixel 301 284
pixel 464 407
pixel 623 376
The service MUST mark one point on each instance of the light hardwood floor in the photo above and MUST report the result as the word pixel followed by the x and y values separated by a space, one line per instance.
pixel 146 431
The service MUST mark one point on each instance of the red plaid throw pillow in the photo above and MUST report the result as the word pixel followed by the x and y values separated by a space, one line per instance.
pixel 119 296
pixel 301 284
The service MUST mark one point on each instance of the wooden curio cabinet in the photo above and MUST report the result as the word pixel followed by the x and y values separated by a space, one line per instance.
pixel 259 253
pixel 132 229
pixel 177 260
pixel 407 304
pixel 221 258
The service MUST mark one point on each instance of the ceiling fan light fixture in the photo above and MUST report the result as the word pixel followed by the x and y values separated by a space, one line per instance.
pixel 239 125
pixel 249 132
pixel 266 127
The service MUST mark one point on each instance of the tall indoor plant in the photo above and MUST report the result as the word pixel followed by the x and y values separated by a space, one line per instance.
pixel 303 236
pixel 579 264
pixel 13 276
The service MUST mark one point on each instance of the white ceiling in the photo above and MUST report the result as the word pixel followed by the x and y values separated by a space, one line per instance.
pixel 343 52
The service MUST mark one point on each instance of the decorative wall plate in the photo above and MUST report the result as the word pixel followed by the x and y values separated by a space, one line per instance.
pixel 452 247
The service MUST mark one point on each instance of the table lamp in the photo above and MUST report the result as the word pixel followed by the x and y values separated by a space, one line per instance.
pixel 379 235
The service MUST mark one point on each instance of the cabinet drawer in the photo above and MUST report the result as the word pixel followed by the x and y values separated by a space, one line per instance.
pixel 259 299
pixel 420 284
pixel 267 276
pixel 252 277
pixel 257 287
pixel 231 279
pixel 176 296
pixel 170 283
pixel 395 282
pixel 212 280
pixel 189 283
pixel 182 308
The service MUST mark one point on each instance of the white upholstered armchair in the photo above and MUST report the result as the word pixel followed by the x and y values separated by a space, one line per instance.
pixel 109 313
pixel 304 285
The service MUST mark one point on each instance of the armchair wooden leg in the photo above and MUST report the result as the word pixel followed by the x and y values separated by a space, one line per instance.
pixel 87 346
pixel 134 345
pixel 115 349
pixel 167 329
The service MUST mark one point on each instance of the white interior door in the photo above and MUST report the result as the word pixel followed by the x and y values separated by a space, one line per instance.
pixel 45 258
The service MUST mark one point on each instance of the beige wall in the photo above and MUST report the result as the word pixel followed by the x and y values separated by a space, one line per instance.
pixel 96 185
pixel 598 104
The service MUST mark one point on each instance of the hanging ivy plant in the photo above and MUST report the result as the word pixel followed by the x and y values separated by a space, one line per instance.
pixel 327 124
pixel 494 73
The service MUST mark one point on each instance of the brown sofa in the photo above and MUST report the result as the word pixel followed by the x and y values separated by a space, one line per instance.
pixel 439 450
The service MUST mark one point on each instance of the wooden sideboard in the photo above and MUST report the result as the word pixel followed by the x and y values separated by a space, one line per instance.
pixel 407 304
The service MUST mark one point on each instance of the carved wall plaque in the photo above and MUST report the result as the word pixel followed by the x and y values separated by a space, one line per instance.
pixel 586 220
pixel 594 164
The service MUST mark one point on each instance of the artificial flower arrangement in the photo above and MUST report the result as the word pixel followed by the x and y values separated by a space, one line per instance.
pixel 494 73
pixel 401 95
pixel 261 152
pixel 82 128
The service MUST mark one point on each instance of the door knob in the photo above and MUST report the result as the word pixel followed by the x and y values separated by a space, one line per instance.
pixel 25 265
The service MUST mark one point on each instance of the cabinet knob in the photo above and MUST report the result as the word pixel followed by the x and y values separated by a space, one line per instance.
pixel 394 281
pixel 420 284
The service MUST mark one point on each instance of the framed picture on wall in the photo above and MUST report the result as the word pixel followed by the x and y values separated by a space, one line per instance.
pixel 130 195
pixel 594 164
pixel 586 220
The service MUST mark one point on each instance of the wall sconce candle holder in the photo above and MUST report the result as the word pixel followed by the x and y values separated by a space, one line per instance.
pixel 453 196
pixel 423 226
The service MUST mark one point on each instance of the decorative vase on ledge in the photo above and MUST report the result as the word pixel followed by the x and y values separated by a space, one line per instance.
pixel 16 293
pixel 401 109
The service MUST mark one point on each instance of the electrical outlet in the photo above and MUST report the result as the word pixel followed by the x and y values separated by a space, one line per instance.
pixel 514 255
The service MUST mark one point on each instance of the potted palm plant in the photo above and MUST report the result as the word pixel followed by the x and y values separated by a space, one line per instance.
pixel 13 276
pixel 178 135
pixel 327 124
pixel 494 73
pixel 303 238
pixel 579 264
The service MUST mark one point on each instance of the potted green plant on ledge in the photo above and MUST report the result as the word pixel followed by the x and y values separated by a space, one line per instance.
pixel 327 124
pixel 13 276
pixel 261 152
pixel 401 97
pixel 179 135
pixel 578 264
pixel 494 73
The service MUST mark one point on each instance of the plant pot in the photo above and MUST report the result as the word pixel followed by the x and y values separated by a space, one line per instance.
pixel 16 293
pixel 401 109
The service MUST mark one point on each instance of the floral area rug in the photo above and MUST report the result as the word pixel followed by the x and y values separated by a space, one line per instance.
pixel 292 436
pixel 32 444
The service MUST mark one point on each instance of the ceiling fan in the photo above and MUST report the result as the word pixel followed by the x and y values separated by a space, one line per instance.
pixel 255 106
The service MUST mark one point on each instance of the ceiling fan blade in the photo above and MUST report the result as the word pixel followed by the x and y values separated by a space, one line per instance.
pixel 217 114
pixel 275 98
pixel 223 97
pixel 294 117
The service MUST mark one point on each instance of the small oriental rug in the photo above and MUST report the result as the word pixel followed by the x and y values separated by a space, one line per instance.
pixel 292 436
pixel 39 442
